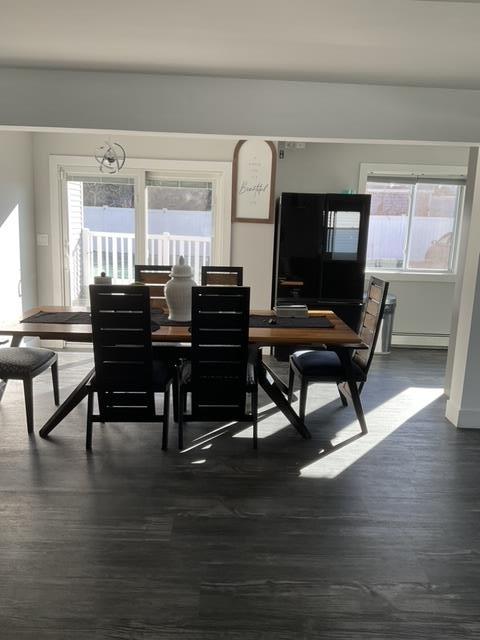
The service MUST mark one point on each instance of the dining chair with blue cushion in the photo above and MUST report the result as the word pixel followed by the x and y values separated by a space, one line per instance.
pixel 25 363
pixel 348 370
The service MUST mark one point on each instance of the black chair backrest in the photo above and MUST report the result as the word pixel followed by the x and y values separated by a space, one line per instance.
pixel 225 276
pixel 370 324
pixel 219 352
pixel 122 348
pixel 155 276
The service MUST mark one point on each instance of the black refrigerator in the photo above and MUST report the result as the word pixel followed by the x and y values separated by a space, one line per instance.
pixel 320 251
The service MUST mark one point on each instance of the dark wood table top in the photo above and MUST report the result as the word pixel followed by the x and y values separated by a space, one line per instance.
pixel 340 335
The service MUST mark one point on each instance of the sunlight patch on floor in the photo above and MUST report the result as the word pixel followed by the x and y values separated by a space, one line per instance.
pixel 267 425
pixel 382 421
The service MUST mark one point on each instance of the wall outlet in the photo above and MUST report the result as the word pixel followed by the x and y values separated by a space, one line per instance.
pixel 42 240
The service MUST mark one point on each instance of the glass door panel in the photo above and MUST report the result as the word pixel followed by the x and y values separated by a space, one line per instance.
pixel 101 233
pixel 179 222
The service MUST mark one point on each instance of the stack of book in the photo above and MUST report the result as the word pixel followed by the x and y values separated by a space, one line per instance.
pixel 291 310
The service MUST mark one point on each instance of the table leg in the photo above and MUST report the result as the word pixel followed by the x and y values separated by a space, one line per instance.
pixel 16 340
pixel 275 393
pixel 77 395
pixel 278 381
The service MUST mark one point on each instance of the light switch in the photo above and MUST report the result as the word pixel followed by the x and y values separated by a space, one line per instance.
pixel 42 240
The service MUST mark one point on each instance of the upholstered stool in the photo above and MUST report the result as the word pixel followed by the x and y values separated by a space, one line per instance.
pixel 25 363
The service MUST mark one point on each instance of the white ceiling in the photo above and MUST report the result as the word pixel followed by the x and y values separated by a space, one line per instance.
pixel 410 42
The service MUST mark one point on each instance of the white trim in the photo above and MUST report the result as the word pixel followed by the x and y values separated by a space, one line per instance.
pixel 219 173
pixel 408 170
pixel 462 418
pixel 411 276
pixel 420 340
pixel 56 231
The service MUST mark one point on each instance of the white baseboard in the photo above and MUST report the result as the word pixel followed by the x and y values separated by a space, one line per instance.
pixel 462 418
pixel 420 340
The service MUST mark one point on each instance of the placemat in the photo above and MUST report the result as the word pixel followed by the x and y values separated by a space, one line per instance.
pixel 83 317
pixel 161 319
pixel 318 322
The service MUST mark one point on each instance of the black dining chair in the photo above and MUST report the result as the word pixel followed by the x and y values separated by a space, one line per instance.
pixel 155 276
pixel 26 363
pixel 218 376
pixel 224 276
pixel 348 371
pixel 126 375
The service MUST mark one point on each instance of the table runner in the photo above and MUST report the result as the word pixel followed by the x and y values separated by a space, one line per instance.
pixel 161 319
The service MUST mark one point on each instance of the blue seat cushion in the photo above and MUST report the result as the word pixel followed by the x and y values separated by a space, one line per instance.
pixel 21 362
pixel 324 364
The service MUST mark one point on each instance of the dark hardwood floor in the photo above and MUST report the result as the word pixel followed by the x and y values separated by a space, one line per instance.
pixel 376 539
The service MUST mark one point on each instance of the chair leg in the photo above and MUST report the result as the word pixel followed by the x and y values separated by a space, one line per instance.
pixel 291 382
pixel 357 404
pixel 89 420
pixel 180 408
pixel 103 398
pixel 175 398
pixel 56 394
pixel 28 392
pixel 166 416
pixel 303 398
pixel 255 417
pixel 342 396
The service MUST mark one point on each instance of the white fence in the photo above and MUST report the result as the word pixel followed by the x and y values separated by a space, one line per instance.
pixel 114 253
pixel 387 235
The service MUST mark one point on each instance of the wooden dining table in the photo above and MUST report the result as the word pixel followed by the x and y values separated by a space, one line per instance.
pixel 338 337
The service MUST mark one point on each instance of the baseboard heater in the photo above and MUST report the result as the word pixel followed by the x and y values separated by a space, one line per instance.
pixel 427 340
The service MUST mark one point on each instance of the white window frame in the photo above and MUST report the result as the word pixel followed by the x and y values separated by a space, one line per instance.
pixel 218 173
pixel 372 170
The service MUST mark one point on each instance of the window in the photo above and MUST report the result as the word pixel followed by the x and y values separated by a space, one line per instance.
pixel 413 223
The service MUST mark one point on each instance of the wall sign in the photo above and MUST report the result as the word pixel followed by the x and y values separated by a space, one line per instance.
pixel 253 183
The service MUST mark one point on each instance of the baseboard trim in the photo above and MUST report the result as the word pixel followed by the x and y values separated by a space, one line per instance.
pixel 462 418
pixel 431 341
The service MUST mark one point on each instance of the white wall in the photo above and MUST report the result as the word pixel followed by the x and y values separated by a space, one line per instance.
pixel 251 243
pixel 424 302
pixel 16 190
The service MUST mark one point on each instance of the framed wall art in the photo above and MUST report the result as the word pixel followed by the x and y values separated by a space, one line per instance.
pixel 253 181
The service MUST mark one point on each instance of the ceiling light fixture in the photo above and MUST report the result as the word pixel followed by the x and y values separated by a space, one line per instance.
pixel 111 157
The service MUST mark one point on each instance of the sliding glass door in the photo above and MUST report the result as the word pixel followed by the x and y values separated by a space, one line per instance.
pixel 140 216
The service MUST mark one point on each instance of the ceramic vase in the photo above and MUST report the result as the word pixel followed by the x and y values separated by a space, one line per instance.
pixel 178 292
pixel 102 279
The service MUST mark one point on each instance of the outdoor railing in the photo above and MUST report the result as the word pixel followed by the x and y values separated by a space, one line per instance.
pixel 114 253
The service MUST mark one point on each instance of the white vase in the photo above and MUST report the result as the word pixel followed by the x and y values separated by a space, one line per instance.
pixel 178 292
